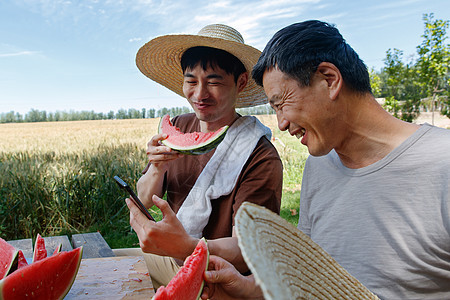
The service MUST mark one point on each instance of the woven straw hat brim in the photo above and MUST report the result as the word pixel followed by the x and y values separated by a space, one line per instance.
pixel 287 264
pixel 159 60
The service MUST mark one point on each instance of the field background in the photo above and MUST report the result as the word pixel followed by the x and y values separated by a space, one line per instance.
pixel 56 177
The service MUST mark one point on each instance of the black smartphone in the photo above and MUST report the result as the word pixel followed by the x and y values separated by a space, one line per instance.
pixel 123 185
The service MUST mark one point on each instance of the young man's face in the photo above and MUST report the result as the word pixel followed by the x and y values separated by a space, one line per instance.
pixel 212 93
pixel 304 111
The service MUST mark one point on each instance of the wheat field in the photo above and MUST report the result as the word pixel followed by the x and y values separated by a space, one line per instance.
pixel 56 177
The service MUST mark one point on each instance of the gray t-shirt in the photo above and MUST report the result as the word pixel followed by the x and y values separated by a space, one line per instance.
pixel 388 224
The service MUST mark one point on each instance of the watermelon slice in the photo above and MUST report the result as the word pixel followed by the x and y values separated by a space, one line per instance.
pixel 49 278
pixel 194 143
pixel 39 249
pixel 21 260
pixel 58 249
pixel 188 283
pixel 8 258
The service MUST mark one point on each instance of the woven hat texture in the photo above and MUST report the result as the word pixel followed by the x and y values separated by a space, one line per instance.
pixel 159 59
pixel 287 264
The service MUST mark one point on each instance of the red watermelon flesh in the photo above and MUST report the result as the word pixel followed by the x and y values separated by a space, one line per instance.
pixel 187 284
pixel 190 143
pixel 8 258
pixel 39 249
pixel 22 261
pixel 49 278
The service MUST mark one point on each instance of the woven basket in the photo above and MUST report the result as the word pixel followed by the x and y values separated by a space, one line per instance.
pixel 287 264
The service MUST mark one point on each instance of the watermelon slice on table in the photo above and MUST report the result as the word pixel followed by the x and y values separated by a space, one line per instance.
pixel 49 278
pixel 58 249
pixel 39 249
pixel 194 143
pixel 188 283
pixel 8 258
pixel 21 260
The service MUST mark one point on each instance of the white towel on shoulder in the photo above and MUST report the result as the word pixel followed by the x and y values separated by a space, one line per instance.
pixel 220 174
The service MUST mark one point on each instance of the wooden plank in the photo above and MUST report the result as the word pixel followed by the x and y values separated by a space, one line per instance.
pixel 26 245
pixel 51 242
pixel 94 245
pixel 124 277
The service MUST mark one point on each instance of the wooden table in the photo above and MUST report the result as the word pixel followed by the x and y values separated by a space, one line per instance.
pixel 102 275
pixel 94 245
pixel 121 277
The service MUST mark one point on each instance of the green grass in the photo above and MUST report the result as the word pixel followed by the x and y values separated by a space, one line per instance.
pixel 289 206
pixel 53 194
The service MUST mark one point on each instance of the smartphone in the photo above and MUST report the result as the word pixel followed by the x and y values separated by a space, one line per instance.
pixel 123 185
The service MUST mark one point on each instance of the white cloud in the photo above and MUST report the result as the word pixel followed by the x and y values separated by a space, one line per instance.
pixel 20 53
pixel 135 40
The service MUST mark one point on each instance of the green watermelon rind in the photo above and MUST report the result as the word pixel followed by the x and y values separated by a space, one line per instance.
pixel 206 269
pixel 11 262
pixel 58 249
pixel 13 265
pixel 69 285
pixel 198 149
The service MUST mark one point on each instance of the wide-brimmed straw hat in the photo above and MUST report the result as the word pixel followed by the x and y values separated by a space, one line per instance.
pixel 287 264
pixel 159 59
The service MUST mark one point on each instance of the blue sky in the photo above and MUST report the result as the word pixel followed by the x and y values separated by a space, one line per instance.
pixel 67 55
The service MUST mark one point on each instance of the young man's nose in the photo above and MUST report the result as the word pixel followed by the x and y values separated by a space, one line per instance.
pixel 201 92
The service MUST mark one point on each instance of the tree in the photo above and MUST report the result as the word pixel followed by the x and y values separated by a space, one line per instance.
pixel 400 84
pixel 151 113
pixel 375 82
pixel 110 115
pixel 121 114
pixel 394 70
pixel 11 117
pixel 433 62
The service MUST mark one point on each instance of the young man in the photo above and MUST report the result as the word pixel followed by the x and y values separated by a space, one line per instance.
pixel 375 190
pixel 211 70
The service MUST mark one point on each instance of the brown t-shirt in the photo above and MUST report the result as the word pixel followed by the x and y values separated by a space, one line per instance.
pixel 260 181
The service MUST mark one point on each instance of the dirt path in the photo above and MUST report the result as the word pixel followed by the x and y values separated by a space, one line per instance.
pixel 439 120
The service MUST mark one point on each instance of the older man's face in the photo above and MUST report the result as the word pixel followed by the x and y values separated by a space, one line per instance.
pixel 303 111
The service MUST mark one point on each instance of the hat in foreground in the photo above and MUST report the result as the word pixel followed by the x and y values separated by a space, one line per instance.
pixel 287 264
pixel 160 58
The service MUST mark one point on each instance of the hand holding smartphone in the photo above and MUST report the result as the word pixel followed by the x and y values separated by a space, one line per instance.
pixel 123 185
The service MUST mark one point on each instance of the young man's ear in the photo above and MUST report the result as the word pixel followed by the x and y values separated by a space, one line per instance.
pixel 331 74
pixel 242 81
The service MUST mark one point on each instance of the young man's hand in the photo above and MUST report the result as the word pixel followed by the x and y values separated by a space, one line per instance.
pixel 166 237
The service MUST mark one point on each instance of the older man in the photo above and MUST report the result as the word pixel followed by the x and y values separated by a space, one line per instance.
pixel 375 190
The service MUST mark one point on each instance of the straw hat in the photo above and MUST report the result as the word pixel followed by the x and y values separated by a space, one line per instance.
pixel 287 264
pixel 160 59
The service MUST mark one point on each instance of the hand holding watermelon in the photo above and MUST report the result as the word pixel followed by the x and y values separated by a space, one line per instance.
pixel 159 154
pixel 224 282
